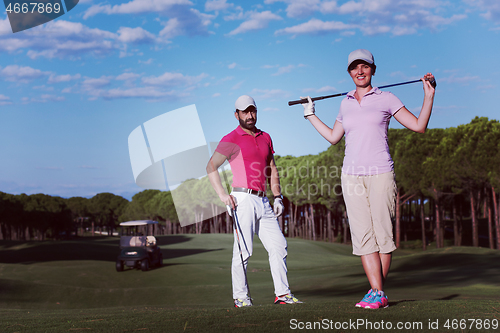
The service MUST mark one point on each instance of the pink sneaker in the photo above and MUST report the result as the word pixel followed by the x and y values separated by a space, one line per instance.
pixel 379 300
pixel 366 300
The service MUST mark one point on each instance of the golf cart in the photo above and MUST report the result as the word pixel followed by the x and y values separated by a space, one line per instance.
pixel 137 250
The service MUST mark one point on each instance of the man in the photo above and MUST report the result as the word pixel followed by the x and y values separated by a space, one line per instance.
pixel 250 154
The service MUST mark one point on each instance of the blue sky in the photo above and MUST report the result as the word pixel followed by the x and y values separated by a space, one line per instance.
pixel 72 90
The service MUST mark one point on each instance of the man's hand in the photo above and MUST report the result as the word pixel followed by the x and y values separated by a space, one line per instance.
pixel 228 200
pixel 231 203
pixel 278 207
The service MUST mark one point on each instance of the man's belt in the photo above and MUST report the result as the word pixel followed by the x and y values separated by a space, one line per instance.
pixel 249 191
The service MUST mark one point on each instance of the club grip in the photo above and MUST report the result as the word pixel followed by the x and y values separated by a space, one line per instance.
pixel 299 101
pixel 433 83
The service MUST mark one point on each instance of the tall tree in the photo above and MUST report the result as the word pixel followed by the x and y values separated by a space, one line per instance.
pixel 473 158
pixel 136 210
pixel 329 175
pixel 13 223
pixel 80 212
pixel 161 206
pixel 51 215
pixel 106 208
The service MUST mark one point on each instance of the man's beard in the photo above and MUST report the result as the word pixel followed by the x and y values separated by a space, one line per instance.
pixel 246 125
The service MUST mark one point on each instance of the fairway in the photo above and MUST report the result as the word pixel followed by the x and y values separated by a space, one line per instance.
pixel 72 285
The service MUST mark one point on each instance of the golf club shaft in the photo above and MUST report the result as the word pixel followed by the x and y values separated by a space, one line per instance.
pixel 305 100
pixel 236 225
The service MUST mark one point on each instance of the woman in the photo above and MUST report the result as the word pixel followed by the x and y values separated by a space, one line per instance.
pixel 368 182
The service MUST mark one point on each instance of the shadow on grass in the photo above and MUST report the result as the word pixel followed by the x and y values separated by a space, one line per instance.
pixel 95 248
pixel 151 268
pixel 447 269
pixel 403 301
pixel 423 271
pixel 160 240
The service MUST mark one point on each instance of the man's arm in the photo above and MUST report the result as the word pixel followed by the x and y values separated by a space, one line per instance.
pixel 213 165
pixel 276 189
pixel 275 178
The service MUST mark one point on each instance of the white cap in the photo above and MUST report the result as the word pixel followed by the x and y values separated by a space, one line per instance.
pixel 360 54
pixel 243 102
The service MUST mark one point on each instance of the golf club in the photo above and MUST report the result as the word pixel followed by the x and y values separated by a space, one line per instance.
pixel 236 225
pixel 302 101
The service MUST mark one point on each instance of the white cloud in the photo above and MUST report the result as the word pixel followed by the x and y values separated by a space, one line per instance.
pixel 63 39
pixel 5 28
pixel 272 94
pixel 299 8
pixel 256 21
pixel 461 79
pixel 283 70
pixel 170 86
pixel 127 77
pixel 173 79
pixel 51 98
pixel 92 86
pixel 146 62
pixel 135 35
pixel 270 109
pixel 136 7
pixel 62 78
pixel 239 15
pixel 4 100
pixel 97 88
pixel 22 74
pixel 186 21
pixel 231 66
pixel 138 92
pixel 49 168
pixel 215 5
pixel 183 20
pixel 373 16
pixel 326 89
pixel 269 66
pixel 238 85
pixel 315 26
pixel 224 79
pixel 60 39
pixel 490 8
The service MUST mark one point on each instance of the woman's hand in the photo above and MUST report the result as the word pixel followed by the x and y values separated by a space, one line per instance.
pixel 429 90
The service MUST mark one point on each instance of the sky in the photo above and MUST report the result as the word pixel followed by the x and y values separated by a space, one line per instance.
pixel 72 90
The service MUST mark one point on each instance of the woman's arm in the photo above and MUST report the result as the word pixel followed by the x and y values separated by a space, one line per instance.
pixel 408 120
pixel 332 135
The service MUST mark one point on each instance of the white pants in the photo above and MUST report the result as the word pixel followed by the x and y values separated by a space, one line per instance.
pixel 255 216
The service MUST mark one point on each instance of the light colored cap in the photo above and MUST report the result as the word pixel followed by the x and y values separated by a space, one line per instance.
pixel 243 102
pixel 360 54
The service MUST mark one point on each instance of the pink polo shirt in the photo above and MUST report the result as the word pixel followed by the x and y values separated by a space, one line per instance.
pixel 249 157
pixel 365 125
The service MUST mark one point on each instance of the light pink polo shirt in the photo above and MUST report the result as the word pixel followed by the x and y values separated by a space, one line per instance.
pixel 249 157
pixel 365 125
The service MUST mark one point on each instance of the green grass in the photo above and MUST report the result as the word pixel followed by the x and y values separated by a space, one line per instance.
pixel 73 285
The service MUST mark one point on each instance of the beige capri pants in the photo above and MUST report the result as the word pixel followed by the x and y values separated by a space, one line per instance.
pixel 370 203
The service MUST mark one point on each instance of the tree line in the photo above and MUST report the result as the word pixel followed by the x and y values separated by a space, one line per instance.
pixel 448 182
